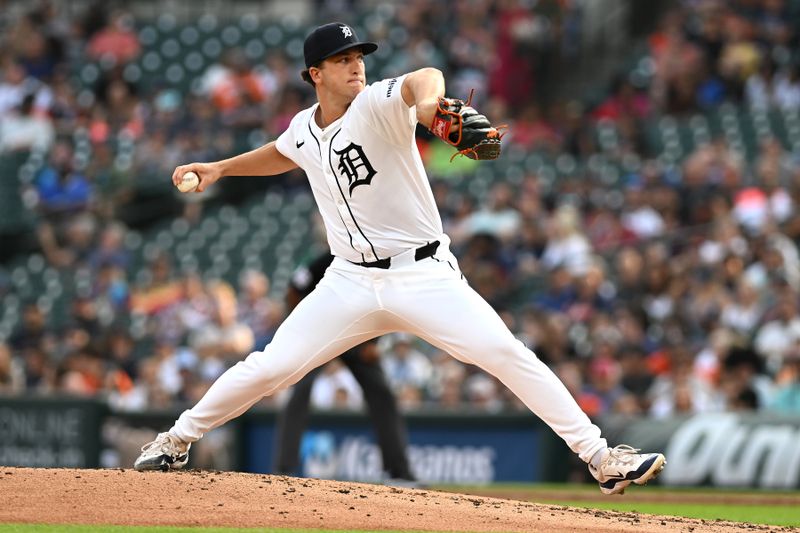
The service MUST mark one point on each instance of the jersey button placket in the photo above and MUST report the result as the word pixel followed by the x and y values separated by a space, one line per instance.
pixel 356 239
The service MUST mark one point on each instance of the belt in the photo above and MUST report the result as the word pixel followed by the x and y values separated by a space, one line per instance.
pixel 423 252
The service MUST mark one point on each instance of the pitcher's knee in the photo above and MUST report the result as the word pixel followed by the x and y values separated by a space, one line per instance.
pixel 271 372
pixel 500 350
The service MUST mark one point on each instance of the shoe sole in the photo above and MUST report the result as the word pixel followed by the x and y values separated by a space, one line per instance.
pixel 161 463
pixel 651 473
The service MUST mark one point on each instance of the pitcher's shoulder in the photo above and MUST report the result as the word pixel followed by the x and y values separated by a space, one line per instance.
pixel 303 117
pixel 384 88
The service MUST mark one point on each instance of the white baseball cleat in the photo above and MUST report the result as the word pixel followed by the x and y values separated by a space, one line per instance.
pixel 164 453
pixel 623 465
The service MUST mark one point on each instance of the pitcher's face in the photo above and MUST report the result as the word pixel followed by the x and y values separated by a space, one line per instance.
pixel 343 74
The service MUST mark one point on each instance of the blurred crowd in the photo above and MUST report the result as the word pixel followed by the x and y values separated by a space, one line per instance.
pixel 674 291
pixel 715 51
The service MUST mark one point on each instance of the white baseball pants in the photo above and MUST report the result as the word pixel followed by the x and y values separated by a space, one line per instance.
pixel 428 299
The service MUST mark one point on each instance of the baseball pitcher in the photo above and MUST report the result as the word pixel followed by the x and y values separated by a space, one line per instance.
pixel 393 269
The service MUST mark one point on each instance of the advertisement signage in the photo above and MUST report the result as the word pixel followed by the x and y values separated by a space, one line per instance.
pixel 453 454
pixel 49 432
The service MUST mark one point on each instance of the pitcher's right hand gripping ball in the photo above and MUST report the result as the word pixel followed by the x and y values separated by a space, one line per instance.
pixel 459 124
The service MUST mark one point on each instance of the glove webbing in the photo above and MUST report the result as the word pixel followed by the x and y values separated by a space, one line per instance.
pixel 487 148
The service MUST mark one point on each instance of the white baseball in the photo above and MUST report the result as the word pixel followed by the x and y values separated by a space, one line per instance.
pixel 189 182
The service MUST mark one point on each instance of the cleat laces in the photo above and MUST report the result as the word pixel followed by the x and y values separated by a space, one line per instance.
pixel 622 455
pixel 164 443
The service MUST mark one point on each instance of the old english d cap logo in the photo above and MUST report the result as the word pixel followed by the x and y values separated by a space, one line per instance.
pixel 330 39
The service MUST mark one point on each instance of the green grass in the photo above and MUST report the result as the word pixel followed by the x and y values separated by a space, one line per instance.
pixel 776 515
pixel 570 495
pixel 591 488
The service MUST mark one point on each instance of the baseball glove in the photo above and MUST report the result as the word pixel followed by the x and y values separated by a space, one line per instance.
pixel 459 124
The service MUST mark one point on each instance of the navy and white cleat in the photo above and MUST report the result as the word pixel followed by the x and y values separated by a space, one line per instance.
pixel 624 465
pixel 164 453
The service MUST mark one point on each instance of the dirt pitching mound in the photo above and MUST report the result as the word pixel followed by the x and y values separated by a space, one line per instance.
pixel 196 498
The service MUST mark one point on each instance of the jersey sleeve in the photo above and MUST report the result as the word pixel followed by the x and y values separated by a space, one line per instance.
pixel 285 141
pixel 387 113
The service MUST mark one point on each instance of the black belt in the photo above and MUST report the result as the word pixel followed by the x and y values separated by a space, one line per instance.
pixel 423 252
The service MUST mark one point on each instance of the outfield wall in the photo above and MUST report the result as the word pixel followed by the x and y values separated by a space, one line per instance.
pixel 724 449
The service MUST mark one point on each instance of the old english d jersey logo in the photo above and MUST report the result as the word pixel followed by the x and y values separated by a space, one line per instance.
pixel 354 164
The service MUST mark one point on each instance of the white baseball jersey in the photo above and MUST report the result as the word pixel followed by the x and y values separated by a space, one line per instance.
pixel 366 175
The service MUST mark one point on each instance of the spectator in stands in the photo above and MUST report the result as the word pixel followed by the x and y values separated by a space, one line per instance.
pixel 156 152
pixel 261 313
pixel 743 312
pixel 483 393
pixel 40 371
pixel 532 131
pixel 123 393
pixel 404 365
pixel 677 62
pixel 743 384
pixel 774 22
pixel 636 377
pixel 724 239
pixel 233 82
pixel 603 389
pixel 336 388
pixel 82 373
pixel 786 397
pixel 740 56
pixel 110 249
pixel 779 336
pixel 528 246
pixel 64 108
pixel 122 111
pixel 117 41
pixel 787 89
pixel 275 74
pixel 160 288
pixel 16 85
pixel 567 246
pixel 62 189
pixel 445 386
pixel 470 50
pixel 624 102
pixel 68 242
pixel 560 293
pixel 38 52
pixel 606 232
pixel 638 215
pixel 24 130
pixel 195 310
pixel 168 367
pixel 225 340
pixel 33 331
pixel 593 293
pixel 759 88
pixel 499 217
pixel 678 391
pixel 118 348
pixel 84 315
pixel 12 375
pixel 512 78
pixel 149 390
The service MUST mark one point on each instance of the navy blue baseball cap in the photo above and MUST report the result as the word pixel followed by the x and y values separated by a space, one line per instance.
pixel 330 39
